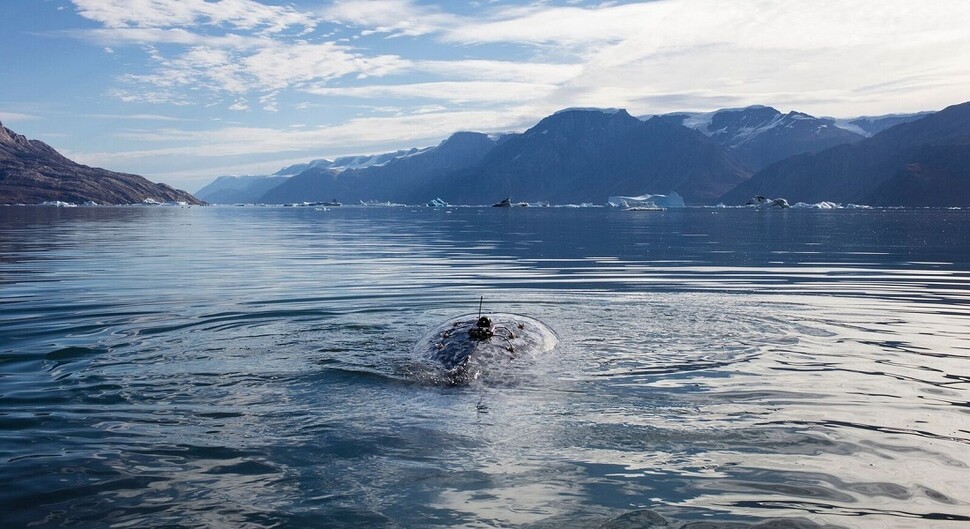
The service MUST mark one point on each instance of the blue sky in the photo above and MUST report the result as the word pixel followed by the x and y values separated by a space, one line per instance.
pixel 182 91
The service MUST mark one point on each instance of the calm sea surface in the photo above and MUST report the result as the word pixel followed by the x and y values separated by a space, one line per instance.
pixel 252 367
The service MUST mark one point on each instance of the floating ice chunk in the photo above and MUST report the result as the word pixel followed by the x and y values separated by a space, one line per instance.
pixel 673 200
pixel 817 205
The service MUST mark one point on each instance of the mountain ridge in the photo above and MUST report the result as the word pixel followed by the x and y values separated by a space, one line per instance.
pixel 886 169
pixel 761 135
pixel 32 172
pixel 586 154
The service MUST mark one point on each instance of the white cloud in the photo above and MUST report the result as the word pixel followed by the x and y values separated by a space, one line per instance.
pixel 356 135
pixel 133 117
pixel 394 17
pixel 15 116
pixel 496 70
pixel 451 91
pixel 211 65
pixel 240 14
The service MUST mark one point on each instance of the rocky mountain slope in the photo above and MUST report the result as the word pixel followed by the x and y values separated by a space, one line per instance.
pixel 32 172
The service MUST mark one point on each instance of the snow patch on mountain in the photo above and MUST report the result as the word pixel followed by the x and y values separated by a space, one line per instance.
pixel 609 111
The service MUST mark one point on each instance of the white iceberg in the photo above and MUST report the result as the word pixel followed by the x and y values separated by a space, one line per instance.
pixel 673 200
pixel 817 205
pixel 437 203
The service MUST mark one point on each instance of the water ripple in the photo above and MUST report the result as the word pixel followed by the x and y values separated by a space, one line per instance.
pixel 252 367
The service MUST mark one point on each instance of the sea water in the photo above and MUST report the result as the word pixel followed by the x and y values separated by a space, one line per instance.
pixel 253 367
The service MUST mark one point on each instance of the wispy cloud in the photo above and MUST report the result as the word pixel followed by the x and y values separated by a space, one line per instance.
pixel 450 91
pixel 248 53
pixel 354 134
pixel 239 14
pixel 15 116
pixel 396 18
pixel 133 117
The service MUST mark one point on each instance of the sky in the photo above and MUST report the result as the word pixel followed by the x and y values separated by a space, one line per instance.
pixel 183 91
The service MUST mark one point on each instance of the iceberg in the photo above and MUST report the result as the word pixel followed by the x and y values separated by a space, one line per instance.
pixel 817 205
pixel 762 202
pixel 673 200
pixel 437 203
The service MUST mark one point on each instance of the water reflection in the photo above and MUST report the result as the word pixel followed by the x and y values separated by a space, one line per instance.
pixel 249 367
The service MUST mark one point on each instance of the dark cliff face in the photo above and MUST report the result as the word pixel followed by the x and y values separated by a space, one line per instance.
pixel 32 172
pixel 918 163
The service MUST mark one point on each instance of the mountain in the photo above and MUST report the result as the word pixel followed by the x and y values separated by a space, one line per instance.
pixel 238 189
pixel 760 135
pixel 32 172
pixel 292 170
pixel 386 177
pixel 586 155
pixel 871 125
pixel 920 163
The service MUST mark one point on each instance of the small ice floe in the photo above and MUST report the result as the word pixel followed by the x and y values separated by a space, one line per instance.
pixel 380 204
pixel 647 202
pixel 817 205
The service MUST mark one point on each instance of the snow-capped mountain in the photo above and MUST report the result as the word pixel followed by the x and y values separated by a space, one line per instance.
pixel 760 135
pixel 586 155
pixel 871 125
pixel 383 177
pixel 925 162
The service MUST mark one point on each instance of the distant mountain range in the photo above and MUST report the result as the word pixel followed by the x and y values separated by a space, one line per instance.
pixel 403 176
pixel 586 155
pixel 582 155
pixel 760 136
pixel 239 189
pixel 925 162
pixel 32 172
